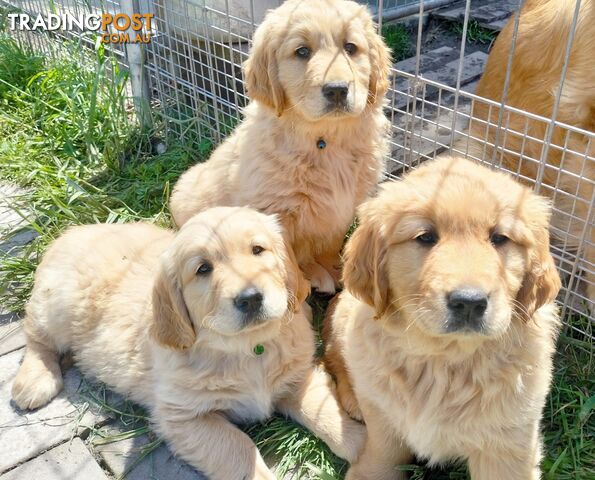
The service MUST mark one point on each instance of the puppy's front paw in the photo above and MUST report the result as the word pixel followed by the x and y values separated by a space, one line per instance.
pixel 358 472
pixel 39 378
pixel 33 388
pixel 355 436
pixel 322 281
pixel 261 471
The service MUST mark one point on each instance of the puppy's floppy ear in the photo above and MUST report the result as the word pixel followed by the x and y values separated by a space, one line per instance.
pixel 541 282
pixel 171 325
pixel 380 64
pixel 364 270
pixel 261 70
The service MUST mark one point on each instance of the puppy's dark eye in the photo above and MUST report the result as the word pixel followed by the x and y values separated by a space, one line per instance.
pixel 498 239
pixel 350 48
pixel 257 250
pixel 427 238
pixel 204 268
pixel 303 52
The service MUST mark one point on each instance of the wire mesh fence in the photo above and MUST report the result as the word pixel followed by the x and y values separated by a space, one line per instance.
pixel 193 71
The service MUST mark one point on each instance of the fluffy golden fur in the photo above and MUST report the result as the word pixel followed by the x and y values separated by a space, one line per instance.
pixel 140 311
pixel 425 383
pixel 272 163
pixel 535 73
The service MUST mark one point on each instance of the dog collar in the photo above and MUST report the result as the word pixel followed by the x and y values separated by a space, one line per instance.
pixel 258 349
pixel 321 144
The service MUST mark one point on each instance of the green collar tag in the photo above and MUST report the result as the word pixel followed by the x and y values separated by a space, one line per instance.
pixel 258 349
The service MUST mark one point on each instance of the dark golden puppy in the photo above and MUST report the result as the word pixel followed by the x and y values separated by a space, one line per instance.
pixel 535 72
pixel 446 329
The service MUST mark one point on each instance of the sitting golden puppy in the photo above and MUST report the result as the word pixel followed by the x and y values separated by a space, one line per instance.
pixel 447 326
pixel 539 57
pixel 203 327
pixel 312 142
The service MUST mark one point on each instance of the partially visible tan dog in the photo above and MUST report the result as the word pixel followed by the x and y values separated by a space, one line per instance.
pixel 539 57
pixel 447 327
pixel 312 142
pixel 212 333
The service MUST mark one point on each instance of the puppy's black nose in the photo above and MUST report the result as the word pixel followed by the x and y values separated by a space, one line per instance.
pixel 467 306
pixel 335 92
pixel 248 301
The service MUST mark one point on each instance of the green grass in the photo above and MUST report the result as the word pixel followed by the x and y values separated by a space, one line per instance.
pixel 569 426
pixel 475 32
pixel 398 40
pixel 69 139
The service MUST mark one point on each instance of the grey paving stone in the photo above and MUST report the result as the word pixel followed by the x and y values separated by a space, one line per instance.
pixel 493 11
pixel 430 132
pixel 160 464
pixel 473 66
pixel 69 461
pixel 452 14
pixel 496 25
pixel 431 60
pixel 484 11
pixel 428 135
pixel 470 87
pixel 25 434
pixel 12 336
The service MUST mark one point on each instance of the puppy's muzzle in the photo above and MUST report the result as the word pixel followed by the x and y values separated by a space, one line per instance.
pixel 249 303
pixel 336 94
pixel 466 308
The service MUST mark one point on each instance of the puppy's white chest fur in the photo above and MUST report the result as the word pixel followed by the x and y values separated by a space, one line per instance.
pixel 310 189
pixel 444 409
pixel 242 385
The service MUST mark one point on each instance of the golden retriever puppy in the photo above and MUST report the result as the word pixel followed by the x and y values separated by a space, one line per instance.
pixel 538 59
pixel 312 142
pixel 447 326
pixel 204 327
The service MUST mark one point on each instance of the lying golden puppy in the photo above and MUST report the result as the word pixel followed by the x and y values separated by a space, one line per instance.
pixel 538 60
pixel 207 335
pixel 447 326
pixel 312 142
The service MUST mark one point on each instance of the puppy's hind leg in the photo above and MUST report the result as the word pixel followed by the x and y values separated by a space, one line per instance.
pixel 39 378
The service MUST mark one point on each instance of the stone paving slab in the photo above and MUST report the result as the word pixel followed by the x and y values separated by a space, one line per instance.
pixel 12 336
pixel 431 129
pixel 158 465
pixel 25 434
pixel 68 461
pixel 413 143
pixel 485 11
pixel 473 66
pixel 431 60
pixel 496 25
